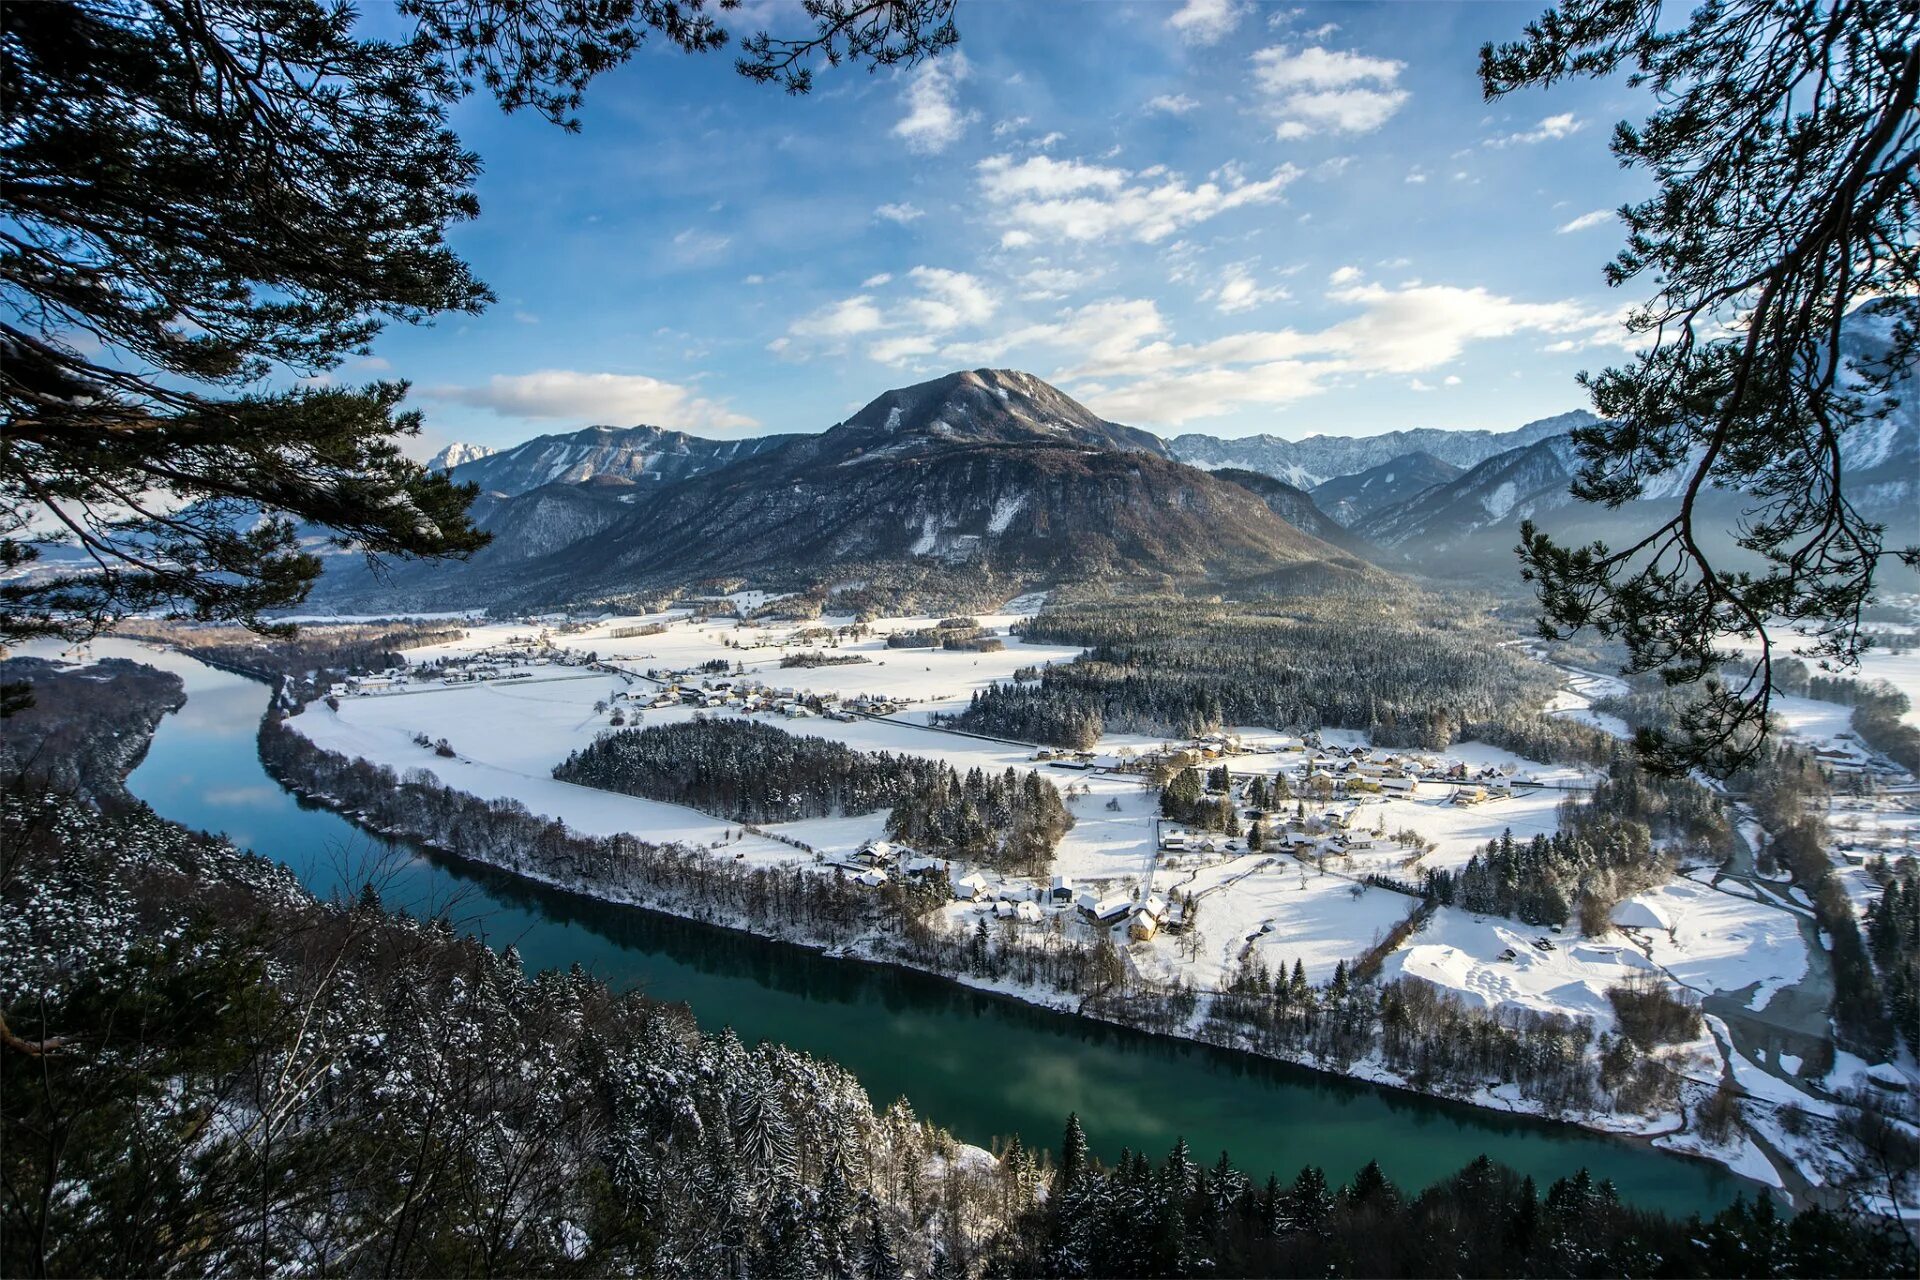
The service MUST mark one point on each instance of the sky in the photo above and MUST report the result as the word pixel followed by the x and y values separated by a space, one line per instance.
pixel 1197 215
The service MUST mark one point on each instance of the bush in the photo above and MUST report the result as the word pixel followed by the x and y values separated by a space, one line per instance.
pixel 1650 1013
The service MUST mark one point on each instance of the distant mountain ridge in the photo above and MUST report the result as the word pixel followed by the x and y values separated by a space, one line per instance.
pixel 1313 461
pixel 1351 499
pixel 629 454
pixel 988 475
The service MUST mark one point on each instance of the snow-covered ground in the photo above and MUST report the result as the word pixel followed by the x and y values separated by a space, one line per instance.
pixel 1722 941
pixel 1497 963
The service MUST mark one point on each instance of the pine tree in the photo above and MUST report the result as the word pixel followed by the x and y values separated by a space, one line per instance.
pixel 878 1261
pixel 1073 1152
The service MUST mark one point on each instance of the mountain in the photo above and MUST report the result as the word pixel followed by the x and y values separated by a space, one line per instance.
pixel 987 406
pixel 631 454
pixel 1470 524
pixel 989 479
pixel 1313 461
pixel 1298 508
pixel 1519 484
pixel 1350 499
pixel 455 454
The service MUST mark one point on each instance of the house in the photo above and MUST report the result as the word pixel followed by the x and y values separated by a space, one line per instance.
pixel 877 851
pixel 972 887
pixel 1061 890
pixel 1104 910
pixel 1173 840
pixel 1400 786
pixel 872 879
pixel 1142 926
pixel 1027 912
pixel 1469 795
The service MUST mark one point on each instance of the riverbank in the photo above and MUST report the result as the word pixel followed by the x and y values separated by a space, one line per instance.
pixel 1146 1011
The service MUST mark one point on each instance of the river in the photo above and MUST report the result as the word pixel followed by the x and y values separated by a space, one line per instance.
pixel 980 1065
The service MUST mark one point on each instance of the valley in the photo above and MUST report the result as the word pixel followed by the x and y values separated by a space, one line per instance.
pixel 1330 890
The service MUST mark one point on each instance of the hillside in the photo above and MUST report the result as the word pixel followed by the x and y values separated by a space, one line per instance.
pixel 631 454
pixel 1351 499
pixel 990 470
pixel 1299 509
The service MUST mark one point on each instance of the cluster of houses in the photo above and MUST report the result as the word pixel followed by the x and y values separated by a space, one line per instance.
pixel 519 660
pixel 878 861
pixel 742 694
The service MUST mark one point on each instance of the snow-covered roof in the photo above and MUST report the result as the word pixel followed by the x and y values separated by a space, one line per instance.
pixel 1637 913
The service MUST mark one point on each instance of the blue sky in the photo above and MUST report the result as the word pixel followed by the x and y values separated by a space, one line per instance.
pixel 1207 216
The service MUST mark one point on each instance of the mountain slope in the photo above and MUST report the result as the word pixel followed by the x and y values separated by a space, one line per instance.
pixel 1298 508
pixel 1351 499
pixel 1315 460
pixel 988 474
pixel 636 454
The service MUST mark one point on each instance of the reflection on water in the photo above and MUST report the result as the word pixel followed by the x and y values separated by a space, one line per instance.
pixel 980 1065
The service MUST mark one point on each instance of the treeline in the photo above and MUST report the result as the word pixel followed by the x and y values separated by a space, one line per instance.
pixel 1171 666
pixel 1790 797
pixel 79 731
pixel 1009 822
pixel 1186 800
pixel 1878 706
pixel 315 654
pixel 228 1077
pixel 1616 842
pixel 822 658
pixel 753 772
pixel 1893 936
pixel 745 770
pixel 1175 1217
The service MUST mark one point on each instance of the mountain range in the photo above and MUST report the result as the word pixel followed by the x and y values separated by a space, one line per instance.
pixel 988 482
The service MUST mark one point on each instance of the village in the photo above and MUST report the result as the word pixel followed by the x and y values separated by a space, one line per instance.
pixel 1294 849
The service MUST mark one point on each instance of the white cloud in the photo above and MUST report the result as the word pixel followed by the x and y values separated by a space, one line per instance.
pixel 1173 104
pixel 1042 284
pixel 1076 201
pixel 1239 291
pixel 875 281
pixel 1344 275
pixel 949 300
pixel 1416 176
pixel 902 213
pixel 1340 110
pixel 1587 221
pixel 846 318
pixel 1116 356
pixel 755 278
pixel 695 245
pixel 1280 70
pixel 1451 380
pixel 1048 141
pixel 1013 124
pixel 902 350
pixel 1317 89
pixel 1551 129
pixel 934 120
pixel 1203 22
pixel 618 398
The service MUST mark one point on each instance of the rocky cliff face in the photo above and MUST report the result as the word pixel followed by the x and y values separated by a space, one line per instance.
pixel 638 454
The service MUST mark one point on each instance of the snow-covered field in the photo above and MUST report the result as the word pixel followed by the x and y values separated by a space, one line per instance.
pixel 1495 962
pixel 1723 942
pixel 1267 905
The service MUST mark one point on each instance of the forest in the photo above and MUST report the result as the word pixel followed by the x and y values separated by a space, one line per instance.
pixel 79 730
pixel 1614 843
pixel 234 1078
pixel 1178 1217
pixel 753 772
pixel 1174 666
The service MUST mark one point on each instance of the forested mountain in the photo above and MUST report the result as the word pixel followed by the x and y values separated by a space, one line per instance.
pixel 989 478
pixel 1351 499
pixel 1298 508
